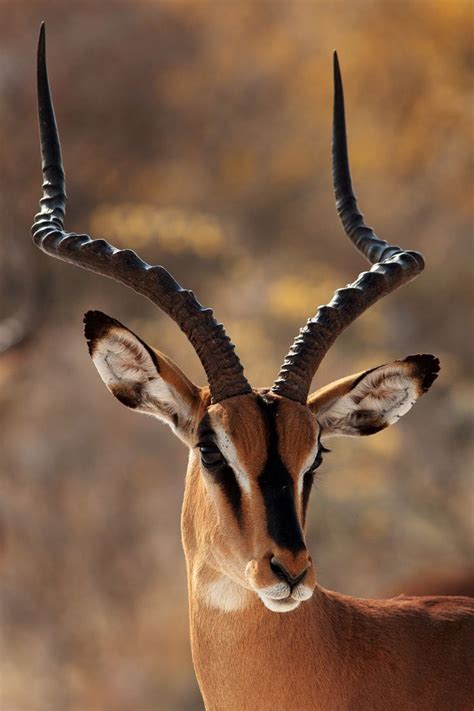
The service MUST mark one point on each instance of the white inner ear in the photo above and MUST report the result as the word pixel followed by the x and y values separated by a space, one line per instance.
pixel 124 364
pixel 382 396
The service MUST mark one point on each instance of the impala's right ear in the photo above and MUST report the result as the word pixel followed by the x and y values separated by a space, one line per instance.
pixel 140 377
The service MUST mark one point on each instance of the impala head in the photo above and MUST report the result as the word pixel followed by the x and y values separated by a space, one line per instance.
pixel 253 452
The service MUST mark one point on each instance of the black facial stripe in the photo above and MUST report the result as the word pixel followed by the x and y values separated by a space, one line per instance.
pixel 307 486
pixel 223 475
pixel 276 486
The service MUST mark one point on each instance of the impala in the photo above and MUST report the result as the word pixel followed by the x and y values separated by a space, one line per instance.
pixel 264 634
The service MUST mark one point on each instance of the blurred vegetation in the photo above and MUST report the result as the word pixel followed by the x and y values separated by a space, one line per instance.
pixel 199 133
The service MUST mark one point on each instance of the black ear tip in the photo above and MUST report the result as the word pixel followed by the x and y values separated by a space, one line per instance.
pixel 96 326
pixel 427 367
pixel 97 320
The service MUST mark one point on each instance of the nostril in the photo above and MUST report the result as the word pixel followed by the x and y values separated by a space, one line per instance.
pixel 282 573
pixel 278 569
pixel 299 577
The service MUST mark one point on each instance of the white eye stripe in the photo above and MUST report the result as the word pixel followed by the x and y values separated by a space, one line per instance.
pixel 306 465
pixel 228 450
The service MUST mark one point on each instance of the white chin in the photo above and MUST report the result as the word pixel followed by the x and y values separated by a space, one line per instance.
pixel 285 605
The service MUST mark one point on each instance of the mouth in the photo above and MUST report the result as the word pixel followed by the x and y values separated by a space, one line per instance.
pixel 280 595
pixel 286 603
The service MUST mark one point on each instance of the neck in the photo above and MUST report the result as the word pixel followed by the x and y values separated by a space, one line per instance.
pixel 272 655
pixel 247 657
pixel 332 652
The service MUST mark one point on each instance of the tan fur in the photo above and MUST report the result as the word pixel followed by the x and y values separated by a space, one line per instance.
pixel 240 418
pixel 175 377
pixel 328 652
pixel 297 433
pixel 333 652
pixel 327 394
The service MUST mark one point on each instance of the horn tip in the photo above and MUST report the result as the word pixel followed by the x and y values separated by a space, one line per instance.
pixel 336 67
pixel 42 42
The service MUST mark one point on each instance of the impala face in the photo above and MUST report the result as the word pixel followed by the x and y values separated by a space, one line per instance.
pixel 253 453
pixel 258 456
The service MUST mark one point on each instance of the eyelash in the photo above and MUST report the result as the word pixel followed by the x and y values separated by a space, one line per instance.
pixel 319 458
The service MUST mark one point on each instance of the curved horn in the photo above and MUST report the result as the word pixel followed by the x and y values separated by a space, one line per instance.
pixel 214 348
pixel 392 268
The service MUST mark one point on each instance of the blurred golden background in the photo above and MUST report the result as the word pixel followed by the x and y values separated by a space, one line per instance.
pixel 198 132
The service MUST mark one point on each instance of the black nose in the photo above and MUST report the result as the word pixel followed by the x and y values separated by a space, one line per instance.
pixel 282 573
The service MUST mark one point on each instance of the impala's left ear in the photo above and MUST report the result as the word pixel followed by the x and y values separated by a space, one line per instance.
pixel 367 402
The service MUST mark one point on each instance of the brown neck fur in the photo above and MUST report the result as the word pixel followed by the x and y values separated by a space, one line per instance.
pixel 333 652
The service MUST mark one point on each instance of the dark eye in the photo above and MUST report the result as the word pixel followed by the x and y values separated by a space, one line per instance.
pixel 319 458
pixel 210 455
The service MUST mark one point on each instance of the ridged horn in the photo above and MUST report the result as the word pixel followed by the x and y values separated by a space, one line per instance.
pixel 214 348
pixel 392 268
